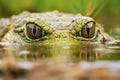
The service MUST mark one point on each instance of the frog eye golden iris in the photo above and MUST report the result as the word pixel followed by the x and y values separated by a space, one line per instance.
pixel 88 30
pixel 33 31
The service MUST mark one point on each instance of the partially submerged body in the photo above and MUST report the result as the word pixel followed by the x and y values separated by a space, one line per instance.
pixel 51 28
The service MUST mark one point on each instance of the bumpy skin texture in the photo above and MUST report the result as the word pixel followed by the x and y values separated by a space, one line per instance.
pixel 55 28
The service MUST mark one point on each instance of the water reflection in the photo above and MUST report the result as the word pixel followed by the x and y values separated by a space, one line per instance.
pixel 66 52
pixel 62 53
pixel 18 60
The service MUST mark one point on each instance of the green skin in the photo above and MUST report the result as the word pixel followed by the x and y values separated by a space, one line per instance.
pixel 71 33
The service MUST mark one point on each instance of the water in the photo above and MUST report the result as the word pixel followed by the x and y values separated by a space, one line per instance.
pixel 67 53
pixel 85 55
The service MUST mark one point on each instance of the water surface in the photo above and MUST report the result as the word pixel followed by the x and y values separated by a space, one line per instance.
pixel 85 54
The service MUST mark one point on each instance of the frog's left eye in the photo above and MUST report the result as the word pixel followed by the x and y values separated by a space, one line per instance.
pixel 88 30
pixel 33 31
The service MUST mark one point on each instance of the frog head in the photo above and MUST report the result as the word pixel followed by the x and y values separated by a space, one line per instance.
pixel 36 29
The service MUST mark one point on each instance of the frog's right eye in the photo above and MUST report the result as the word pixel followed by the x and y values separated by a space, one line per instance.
pixel 88 30
pixel 33 31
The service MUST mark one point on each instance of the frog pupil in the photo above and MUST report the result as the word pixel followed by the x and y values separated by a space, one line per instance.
pixel 88 31
pixel 34 30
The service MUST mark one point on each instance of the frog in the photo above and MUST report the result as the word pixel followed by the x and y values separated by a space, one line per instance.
pixel 51 28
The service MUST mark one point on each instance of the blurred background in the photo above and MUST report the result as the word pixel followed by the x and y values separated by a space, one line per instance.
pixel 10 7
pixel 104 11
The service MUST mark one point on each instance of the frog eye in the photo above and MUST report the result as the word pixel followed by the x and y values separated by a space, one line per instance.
pixel 88 30
pixel 33 31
